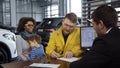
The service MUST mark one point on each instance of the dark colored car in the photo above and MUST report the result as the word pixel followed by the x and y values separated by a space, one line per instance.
pixel 48 26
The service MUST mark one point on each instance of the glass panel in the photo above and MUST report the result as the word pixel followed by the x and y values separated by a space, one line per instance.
pixel 1 13
pixel 19 15
pixel 37 17
pixel 5 12
pixel 52 11
pixel 23 6
pixel 30 8
pixel 6 18
pixel 76 7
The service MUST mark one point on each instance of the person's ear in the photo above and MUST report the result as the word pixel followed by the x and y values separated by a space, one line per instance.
pixel 101 24
pixel 62 21
pixel 24 27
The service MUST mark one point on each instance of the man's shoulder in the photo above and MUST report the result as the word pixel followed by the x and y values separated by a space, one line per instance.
pixel 77 29
pixel 59 31
pixel 54 33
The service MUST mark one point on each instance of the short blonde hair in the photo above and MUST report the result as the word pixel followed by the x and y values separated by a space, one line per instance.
pixel 72 17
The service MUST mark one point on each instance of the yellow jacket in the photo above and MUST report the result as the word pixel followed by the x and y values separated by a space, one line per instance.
pixel 56 43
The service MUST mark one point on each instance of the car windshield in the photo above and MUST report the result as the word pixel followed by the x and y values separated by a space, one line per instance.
pixel 55 23
pixel 51 23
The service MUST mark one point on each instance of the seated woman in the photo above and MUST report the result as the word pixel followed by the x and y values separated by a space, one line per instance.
pixel 25 30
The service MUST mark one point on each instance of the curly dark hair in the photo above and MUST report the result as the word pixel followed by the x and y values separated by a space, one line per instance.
pixel 22 23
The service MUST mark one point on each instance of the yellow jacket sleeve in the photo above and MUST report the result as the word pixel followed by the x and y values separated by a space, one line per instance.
pixel 51 45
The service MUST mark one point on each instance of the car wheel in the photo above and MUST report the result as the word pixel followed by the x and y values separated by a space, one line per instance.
pixel 3 56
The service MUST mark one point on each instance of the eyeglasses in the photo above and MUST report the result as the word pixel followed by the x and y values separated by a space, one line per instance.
pixel 29 25
pixel 67 25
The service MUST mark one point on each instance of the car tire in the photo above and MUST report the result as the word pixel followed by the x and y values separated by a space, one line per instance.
pixel 3 56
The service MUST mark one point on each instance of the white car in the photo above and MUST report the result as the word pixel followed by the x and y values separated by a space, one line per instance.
pixel 8 50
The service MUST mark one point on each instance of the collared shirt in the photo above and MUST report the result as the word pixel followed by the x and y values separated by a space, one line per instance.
pixel 108 30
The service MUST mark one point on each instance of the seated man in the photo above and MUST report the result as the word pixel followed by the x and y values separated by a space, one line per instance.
pixel 65 42
pixel 105 52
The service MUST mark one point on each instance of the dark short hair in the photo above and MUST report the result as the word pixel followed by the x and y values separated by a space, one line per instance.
pixel 22 23
pixel 107 14
pixel 72 17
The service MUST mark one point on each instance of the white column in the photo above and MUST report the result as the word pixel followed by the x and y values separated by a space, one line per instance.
pixel 62 7
pixel 13 13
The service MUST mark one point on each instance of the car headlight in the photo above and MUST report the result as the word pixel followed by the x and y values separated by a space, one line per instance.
pixel 9 36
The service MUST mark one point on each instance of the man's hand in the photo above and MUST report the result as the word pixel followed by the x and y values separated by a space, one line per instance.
pixel 68 54
pixel 55 54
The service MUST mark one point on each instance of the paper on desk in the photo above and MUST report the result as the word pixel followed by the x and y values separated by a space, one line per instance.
pixel 68 59
pixel 44 65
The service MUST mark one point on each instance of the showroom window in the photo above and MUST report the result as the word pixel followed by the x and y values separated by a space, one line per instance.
pixel 29 8
pixel 52 9
pixel 75 6
pixel 5 13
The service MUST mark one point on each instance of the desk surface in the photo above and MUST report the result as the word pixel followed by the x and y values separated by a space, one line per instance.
pixel 25 64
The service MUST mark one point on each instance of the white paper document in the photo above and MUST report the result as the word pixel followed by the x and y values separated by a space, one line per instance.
pixel 41 65
pixel 68 59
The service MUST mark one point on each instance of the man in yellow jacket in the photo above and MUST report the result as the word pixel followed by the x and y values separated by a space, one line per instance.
pixel 65 42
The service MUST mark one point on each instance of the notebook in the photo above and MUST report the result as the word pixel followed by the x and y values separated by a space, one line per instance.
pixel 41 65
pixel 68 59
